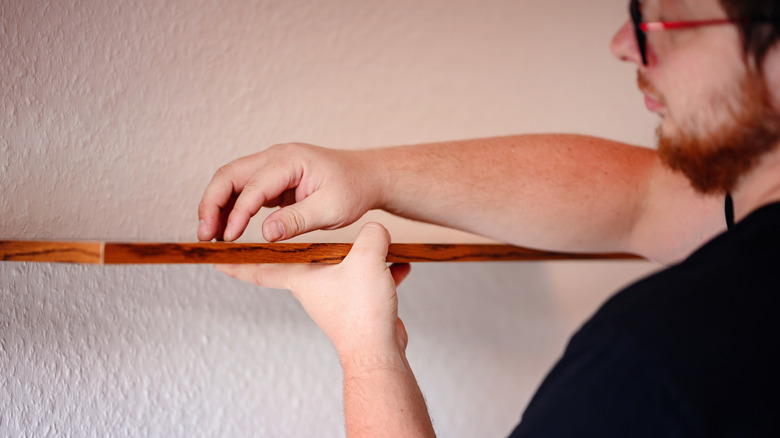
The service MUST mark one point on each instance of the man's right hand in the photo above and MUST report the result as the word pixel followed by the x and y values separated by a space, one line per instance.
pixel 317 188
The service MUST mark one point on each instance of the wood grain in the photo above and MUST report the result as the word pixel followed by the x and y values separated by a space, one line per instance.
pixel 51 251
pixel 220 252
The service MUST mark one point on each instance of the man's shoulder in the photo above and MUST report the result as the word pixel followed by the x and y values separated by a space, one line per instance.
pixel 729 281
pixel 738 266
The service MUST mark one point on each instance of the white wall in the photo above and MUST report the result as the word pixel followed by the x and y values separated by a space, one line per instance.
pixel 114 116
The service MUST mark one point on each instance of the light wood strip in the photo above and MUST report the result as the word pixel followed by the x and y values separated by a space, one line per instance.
pixel 50 251
pixel 220 252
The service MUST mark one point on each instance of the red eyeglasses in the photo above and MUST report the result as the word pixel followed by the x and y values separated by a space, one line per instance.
pixel 641 28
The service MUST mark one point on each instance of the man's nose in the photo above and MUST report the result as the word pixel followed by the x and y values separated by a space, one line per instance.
pixel 624 45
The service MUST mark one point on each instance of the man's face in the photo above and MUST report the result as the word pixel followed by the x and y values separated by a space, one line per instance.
pixel 717 118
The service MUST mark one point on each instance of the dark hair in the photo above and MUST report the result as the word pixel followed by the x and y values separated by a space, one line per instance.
pixel 757 39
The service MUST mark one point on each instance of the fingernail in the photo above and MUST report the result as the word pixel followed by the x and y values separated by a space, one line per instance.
pixel 229 232
pixel 274 230
pixel 203 228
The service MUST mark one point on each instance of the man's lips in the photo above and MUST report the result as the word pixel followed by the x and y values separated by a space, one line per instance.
pixel 652 104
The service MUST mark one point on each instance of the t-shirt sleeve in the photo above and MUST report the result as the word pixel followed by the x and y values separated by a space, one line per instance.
pixel 605 386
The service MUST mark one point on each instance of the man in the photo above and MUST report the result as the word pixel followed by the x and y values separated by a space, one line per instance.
pixel 690 351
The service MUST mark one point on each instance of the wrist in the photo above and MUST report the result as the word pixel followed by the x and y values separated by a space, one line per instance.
pixel 377 166
pixel 359 361
pixel 383 350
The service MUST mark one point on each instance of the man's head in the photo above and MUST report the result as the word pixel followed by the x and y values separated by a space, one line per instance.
pixel 716 88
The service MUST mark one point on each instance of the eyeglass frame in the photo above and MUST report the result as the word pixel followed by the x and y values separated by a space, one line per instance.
pixel 641 28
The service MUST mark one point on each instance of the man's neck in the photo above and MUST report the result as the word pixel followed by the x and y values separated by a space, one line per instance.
pixel 760 187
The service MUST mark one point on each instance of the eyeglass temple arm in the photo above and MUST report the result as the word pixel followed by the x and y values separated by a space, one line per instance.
pixel 650 26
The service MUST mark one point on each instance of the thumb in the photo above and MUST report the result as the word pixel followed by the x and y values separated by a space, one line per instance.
pixel 372 242
pixel 306 215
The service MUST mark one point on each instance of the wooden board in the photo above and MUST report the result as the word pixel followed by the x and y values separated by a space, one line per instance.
pixel 220 252
pixel 44 251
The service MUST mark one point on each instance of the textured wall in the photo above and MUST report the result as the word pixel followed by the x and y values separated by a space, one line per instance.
pixel 113 117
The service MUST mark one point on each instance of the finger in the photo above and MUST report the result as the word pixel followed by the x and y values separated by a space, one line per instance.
pixel 216 200
pixel 400 271
pixel 214 229
pixel 372 242
pixel 228 181
pixel 223 214
pixel 286 198
pixel 308 214
pixel 262 188
pixel 272 276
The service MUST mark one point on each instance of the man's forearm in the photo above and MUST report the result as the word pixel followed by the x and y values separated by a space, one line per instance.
pixel 558 192
pixel 382 399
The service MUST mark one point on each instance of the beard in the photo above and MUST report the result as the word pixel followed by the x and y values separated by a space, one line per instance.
pixel 716 159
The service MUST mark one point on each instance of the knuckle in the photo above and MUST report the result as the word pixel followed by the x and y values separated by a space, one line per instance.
pixel 296 222
pixel 204 208
pixel 280 154
pixel 286 148
pixel 253 185
pixel 224 171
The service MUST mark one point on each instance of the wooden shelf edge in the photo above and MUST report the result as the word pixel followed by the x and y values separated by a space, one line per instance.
pixel 220 252
pixel 51 251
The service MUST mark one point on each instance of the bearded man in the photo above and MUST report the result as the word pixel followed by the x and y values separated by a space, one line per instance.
pixel 690 351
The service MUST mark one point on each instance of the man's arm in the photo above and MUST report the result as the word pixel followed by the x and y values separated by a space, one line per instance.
pixel 555 192
pixel 356 305
pixel 382 394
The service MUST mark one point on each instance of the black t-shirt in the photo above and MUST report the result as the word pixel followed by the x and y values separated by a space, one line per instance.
pixel 691 351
